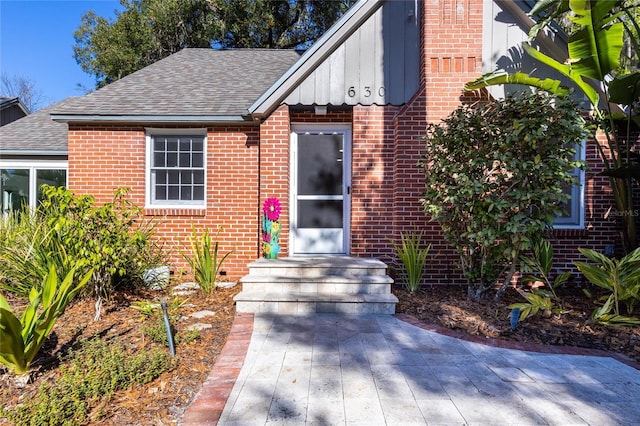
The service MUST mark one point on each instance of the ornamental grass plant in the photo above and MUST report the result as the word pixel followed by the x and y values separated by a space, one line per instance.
pixel 414 257
pixel 205 261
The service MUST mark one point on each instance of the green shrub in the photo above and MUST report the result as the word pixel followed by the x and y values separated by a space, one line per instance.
pixel 413 257
pixel 113 238
pixel 494 176
pixel 72 232
pixel 620 279
pixel 21 339
pixel 205 261
pixel 89 379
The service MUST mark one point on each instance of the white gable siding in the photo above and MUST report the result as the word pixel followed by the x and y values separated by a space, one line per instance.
pixel 378 64
pixel 505 28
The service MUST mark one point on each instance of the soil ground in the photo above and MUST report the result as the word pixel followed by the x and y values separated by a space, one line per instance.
pixel 163 401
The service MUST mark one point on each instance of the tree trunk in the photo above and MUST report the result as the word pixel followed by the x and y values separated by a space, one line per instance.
pixel 507 282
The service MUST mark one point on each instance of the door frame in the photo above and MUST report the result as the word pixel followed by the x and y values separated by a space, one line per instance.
pixel 346 130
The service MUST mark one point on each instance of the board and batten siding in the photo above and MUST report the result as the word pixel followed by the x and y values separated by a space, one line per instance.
pixel 503 35
pixel 379 64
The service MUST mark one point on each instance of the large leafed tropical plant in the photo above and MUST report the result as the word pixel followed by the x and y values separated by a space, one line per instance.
pixel 21 338
pixel 595 49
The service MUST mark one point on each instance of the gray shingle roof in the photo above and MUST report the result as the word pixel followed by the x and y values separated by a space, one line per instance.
pixel 35 133
pixel 192 82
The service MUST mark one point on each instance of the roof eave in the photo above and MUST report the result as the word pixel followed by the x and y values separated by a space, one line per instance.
pixel 313 57
pixel 14 101
pixel 31 152
pixel 164 119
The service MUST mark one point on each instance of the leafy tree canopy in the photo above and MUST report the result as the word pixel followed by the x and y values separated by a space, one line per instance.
pixel 149 30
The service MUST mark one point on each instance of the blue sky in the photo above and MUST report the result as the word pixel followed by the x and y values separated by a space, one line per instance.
pixel 36 42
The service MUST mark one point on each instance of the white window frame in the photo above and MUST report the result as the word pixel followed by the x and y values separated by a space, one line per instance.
pixel 33 166
pixel 576 221
pixel 149 202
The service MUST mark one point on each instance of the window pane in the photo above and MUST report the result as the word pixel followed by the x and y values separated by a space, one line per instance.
pixel 161 176
pixel 185 159
pixel 567 205
pixel 196 160
pixel 172 145
pixel 14 186
pixel 174 192
pixel 161 192
pixel 197 145
pixel 159 145
pixel 185 193
pixel 159 159
pixel 198 177
pixel 320 214
pixel 172 159
pixel 571 214
pixel 173 177
pixel 187 177
pixel 320 169
pixel 198 193
pixel 49 177
pixel 185 145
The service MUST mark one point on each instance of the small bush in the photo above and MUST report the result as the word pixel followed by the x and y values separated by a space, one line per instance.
pixel 70 231
pixel 89 379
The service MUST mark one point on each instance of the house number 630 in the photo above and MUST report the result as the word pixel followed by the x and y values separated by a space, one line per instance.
pixel 367 91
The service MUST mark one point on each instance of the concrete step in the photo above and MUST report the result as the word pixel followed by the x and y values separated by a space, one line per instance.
pixel 318 266
pixel 375 284
pixel 333 284
pixel 304 303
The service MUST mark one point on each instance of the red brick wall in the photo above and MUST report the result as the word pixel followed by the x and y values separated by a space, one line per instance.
pixel 451 56
pixel 246 165
pixel 274 169
pixel 104 158
pixel 372 180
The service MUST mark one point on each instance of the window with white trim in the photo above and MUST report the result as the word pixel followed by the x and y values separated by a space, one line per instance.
pixel 21 182
pixel 176 168
pixel 573 217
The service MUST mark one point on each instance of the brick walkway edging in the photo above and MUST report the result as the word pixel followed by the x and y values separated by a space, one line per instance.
pixel 206 408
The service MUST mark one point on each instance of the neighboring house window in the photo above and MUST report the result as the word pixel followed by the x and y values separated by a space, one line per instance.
pixel 21 182
pixel 574 207
pixel 176 175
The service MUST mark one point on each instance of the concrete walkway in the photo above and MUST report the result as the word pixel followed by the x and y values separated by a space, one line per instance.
pixel 329 369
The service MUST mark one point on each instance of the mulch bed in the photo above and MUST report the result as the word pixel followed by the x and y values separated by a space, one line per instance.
pixel 450 308
pixel 160 402
pixel 163 401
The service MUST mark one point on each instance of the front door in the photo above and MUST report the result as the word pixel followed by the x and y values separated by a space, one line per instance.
pixel 320 189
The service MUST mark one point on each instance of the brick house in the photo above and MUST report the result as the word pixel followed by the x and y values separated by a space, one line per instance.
pixel 204 136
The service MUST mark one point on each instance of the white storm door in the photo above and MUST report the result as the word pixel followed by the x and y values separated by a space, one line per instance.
pixel 320 189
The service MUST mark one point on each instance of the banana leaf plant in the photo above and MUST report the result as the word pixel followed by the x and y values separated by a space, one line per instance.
pixel 21 339
pixel 594 52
